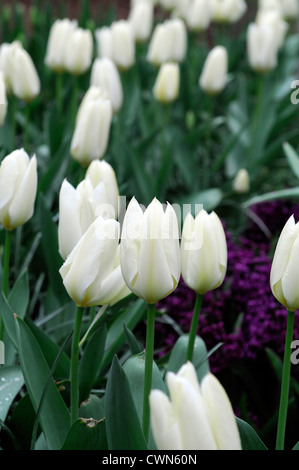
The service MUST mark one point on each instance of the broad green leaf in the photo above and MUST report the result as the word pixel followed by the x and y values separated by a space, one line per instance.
pixel 179 353
pixel 54 416
pixel 86 434
pixel 133 343
pixel 18 297
pixel 11 382
pixel 134 369
pixel 93 407
pixel 90 362
pixel 249 438
pixel 122 423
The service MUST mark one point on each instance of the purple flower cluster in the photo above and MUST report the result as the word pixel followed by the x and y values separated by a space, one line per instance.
pixel 243 313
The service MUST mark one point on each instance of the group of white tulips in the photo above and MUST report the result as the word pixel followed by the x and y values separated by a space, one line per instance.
pixel 106 258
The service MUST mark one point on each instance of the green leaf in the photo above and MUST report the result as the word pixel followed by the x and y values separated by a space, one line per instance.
pixel 134 345
pixel 249 438
pixel 134 369
pixel 296 446
pixel 93 407
pixel 292 157
pixel 209 199
pixel 86 434
pixel 54 415
pixel 179 353
pixel 18 297
pixel 90 362
pixel 122 422
pixel 11 382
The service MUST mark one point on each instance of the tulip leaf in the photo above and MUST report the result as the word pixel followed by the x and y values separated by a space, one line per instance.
pixel 18 297
pixel 249 438
pixel 292 157
pixel 179 353
pixel 91 360
pixel 122 422
pixel 134 346
pixel 208 200
pixel 54 415
pixel 86 434
pixel 134 369
pixel 93 407
pixel 296 446
pixel 11 381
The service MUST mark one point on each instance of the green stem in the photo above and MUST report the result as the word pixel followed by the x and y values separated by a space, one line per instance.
pixel 193 328
pixel 6 263
pixel 149 354
pixel 75 100
pixel 74 365
pixel 59 86
pixel 285 384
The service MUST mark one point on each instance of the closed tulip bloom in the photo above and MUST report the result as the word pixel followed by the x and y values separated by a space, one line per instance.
pixel 196 416
pixel 22 75
pixel 203 252
pixel 18 185
pixel 6 65
pixel 262 47
pixel 241 182
pixel 149 250
pixel 3 99
pixel 214 74
pixel 166 88
pixel 105 75
pixel 141 18
pixel 198 15
pixel 290 9
pixel 284 277
pixel 168 42
pixel 228 11
pixel 78 51
pixel 104 42
pixel 274 20
pixel 93 122
pixel 91 273
pixel 101 173
pixel 123 44
pixel 58 37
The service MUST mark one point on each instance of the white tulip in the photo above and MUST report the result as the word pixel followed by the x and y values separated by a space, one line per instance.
pixel 241 182
pixel 203 252
pixel 262 48
pixel 105 75
pixel 141 18
pixel 149 250
pixel 3 99
pixel 284 275
pixel 58 37
pixel 104 42
pixel 123 44
pixel 290 9
pixel 196 416
pixel 274 20
pixel 78 51
pixel 18 186
pixel 168 42
pixel 228 11
pixel 167 84
pixel 213 78
pixel 198 15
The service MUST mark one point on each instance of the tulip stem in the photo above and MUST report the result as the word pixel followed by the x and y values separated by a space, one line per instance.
pixel 6 262
pixel 74 365
pixel 149 354
pixel 59 86
pixel 285 384
pixel 193 328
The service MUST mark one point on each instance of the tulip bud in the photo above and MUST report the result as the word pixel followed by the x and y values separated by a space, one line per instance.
pixel 262 47
pixel 91 273
pixel 123 44
pixel 105 75
pixel 58 37
pixel 285 268
pixel 6 65
pixel 168 42
pixel 197 416
pixel 290 9
pixel 275 21
pixel 214 74
pixel 22 78
pixel 91 135
pixel 3 99
pixel 78 51
pixel 104 42
pixel 149 250
pixel 141 20
pixel 203 252
pixel 228 11
pixel 166 88
pixel 18 185
pixel 198 15
pixel 241 181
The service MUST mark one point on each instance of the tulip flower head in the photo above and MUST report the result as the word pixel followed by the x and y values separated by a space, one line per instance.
pixel 78 51
pixel 262 49
pixel 141 19
pixel 91 273
pixel 18 185
pixel 60 32
pixel 198 15
pixel 241 182
pixel 284 277
pixel 168 42
pixel 196 417
pixel 3 99
pixel 228 11
pixel 214 74
pixel 149 250
pixel 166 88
pixel 203 252
pixel 105 75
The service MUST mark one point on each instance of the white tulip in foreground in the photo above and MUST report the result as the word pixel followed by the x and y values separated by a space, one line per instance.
pixel 284 277
pixel 91 273
pixel 196 416
pixel 203 252
pixel 18 185
pixel 149 250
